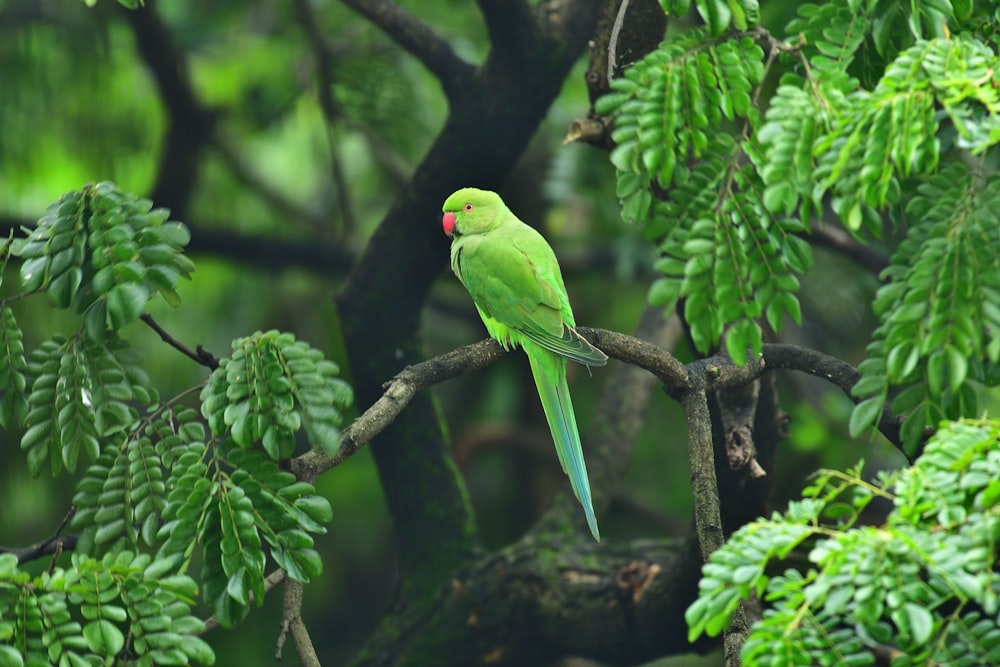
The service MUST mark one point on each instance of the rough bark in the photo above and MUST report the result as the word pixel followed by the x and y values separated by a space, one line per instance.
pixel 538 600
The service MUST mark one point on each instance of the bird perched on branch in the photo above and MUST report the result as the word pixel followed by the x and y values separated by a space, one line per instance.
pixel 515 282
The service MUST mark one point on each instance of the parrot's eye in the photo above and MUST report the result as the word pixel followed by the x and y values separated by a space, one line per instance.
pixel 468 207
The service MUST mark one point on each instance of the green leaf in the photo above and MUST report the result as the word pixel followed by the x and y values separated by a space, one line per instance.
pixel 63 287
pixel 198 650
pixel 743 336
pixel 865 415
pixel 125 303
pixel 716 14
pixel 10 657
pixel 8 565
pixel 958 367
pixel 316 507
pixel 920 622
pixel 103 637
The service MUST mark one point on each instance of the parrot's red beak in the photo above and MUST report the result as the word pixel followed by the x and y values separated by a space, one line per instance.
pixel 448 223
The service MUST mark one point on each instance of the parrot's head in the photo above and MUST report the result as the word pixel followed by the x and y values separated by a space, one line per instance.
pixel 471 211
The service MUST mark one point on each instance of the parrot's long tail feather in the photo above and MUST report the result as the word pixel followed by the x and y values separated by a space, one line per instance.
pixel 550 379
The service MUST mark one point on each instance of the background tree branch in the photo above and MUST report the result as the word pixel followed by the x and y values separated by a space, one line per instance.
pixel 190 125
pixel 538 600
pixel 416 38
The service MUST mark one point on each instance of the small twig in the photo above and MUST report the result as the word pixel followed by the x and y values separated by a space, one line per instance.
pixel 200 355
pixel 291 623
pixel 53 546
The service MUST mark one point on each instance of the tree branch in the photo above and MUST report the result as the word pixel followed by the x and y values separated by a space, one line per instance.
pixel 704 485
pixel 510 25
pixel 539 600
pixel 641 353
pixel 717 372
pixel 53 546
pixel 398 394
pixel 273 253
pixel 201 356
pixel 323 57
pixel 291 623
pixel 839 373
pixel 190 125
pixel 416 38
pixel 843 243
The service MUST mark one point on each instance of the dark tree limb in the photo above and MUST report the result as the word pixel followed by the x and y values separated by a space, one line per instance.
pixel 510 25
pixel 416 38
pixel 190 125
pixel 53 546
pixel 841 242
pixel 327 258
pixel 323 57
pixel 538 600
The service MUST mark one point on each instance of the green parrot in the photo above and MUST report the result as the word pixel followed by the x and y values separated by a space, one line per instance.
pixel 515 282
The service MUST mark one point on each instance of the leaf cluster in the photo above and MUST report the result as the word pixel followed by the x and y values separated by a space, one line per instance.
pixel 158 488
pixel 116 606
pixel 939 309
pixel 885 113
pixel 924 586
pixel 723 252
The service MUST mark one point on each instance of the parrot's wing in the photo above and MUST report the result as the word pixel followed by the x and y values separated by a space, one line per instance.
pixel 506 285
pixel 570 345
pixel 513 277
